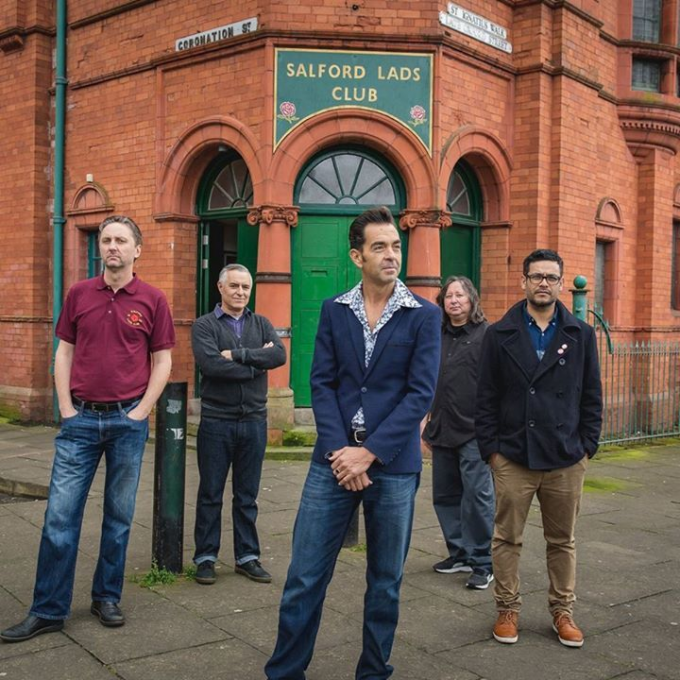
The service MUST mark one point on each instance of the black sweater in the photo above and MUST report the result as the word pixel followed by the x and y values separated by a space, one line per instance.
pixel 237 389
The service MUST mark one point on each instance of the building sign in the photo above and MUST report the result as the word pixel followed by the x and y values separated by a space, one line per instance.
pixel 216 34
pixel 479 28
pixel 307 82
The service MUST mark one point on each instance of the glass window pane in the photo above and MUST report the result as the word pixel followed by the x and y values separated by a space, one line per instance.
pixel 600 257
pixel 347 179
pixel 458 197
pixel 646 75
pixel 647 20
pixel 324 174
pixel 347 164
pixel 383 193
pixel 233 187
pixel 311 192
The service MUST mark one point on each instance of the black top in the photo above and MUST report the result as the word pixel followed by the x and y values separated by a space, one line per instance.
pixel 235 390
pixel 543 414
pixel 452 421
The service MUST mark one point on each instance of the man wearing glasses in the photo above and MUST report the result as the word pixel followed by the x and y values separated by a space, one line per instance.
pixel 538 420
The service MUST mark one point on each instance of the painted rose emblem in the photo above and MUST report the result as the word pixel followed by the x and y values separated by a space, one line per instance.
pixel 418 115
pixel 134 318
pixel 287 112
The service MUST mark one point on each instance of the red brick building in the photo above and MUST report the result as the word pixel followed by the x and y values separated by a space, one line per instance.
pixel 257 130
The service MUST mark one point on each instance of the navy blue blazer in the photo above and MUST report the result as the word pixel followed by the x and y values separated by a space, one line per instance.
pixel 395 390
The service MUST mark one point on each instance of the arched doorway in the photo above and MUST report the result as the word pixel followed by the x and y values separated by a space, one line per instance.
pixel 333 188
pixel 461 242
pixel 224 236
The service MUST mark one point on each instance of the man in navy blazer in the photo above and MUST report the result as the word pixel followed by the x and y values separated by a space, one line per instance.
pixel 373 379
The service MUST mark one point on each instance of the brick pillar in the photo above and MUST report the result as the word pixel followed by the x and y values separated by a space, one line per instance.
pixel 656 180
pixel 168 261
pixel 273 280
pixel 423 269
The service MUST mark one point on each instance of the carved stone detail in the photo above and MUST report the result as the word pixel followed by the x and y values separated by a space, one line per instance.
pixel 12 41
pixel 266 214
pixel 437 219
pixel 645 127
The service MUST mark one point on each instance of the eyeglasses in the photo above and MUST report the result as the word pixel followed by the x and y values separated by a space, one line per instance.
pixel 536 278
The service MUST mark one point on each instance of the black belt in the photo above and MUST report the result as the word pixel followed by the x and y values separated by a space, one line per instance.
pixel 103 406
pixel 359 436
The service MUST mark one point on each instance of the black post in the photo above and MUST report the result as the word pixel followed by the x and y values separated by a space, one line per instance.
pixel 352 535
pixel 169 471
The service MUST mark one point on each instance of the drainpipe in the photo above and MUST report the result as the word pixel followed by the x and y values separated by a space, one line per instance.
pixel 58 219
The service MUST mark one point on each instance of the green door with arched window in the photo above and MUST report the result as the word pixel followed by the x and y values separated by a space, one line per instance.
pixel 224 236
pixel 461 242
pixel 331 191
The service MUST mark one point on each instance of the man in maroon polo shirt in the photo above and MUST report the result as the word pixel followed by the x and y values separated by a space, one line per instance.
pixel 114 357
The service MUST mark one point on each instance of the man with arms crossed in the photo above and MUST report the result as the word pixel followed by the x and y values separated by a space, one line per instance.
pixel 114 358
pixel 373 378
pixel 234 349
pixel 538 420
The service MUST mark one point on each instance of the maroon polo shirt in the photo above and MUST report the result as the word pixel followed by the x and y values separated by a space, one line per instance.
pixel 114 335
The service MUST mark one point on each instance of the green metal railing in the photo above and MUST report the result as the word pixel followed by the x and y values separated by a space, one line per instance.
pixel 640 381
pixel 641 389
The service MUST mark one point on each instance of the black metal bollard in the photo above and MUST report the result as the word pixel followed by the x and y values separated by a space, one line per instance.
pixel 169 476
pixel 352 535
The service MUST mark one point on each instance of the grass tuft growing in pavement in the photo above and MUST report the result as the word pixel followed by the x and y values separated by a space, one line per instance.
pixel 154 577
pixel 603 485
pixel 162 577
pixel 358 548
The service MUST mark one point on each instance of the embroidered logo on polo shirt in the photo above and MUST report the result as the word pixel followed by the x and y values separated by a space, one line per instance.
pixel 134 318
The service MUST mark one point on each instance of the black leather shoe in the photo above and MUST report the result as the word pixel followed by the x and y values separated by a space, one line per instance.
pixel 109 613
pixel 30 627
pixel 254 571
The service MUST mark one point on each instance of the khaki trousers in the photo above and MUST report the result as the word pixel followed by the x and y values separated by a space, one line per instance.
pixel 559 495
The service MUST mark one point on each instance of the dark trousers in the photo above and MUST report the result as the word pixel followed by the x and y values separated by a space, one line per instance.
pixel 223 444
pixel 463 498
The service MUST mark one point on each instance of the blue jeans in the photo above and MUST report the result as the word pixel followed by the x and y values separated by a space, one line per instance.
pixel 323 517
pixel 80 444
pixel 222 444
pixel 463 498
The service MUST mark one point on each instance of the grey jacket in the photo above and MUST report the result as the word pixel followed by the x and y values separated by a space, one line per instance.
pixel 237 389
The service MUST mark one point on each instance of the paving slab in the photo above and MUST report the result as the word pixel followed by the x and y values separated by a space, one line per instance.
pixel 628 545
pixel 66 662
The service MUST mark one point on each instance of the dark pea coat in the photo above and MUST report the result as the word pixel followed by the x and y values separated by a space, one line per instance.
pixel 541 414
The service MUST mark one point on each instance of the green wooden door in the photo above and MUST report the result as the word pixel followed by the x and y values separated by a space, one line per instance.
pixel 323 269
pixel 334 188
pixel 461 242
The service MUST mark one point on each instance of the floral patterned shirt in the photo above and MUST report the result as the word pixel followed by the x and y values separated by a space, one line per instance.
pixel 401 297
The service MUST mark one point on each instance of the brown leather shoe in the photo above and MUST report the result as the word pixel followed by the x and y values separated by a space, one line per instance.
pixel 505 629
pixel 568 633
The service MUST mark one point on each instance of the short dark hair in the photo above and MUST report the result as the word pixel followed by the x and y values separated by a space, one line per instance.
pixel 128 222
pixel 542 255
pixel 476 313
pixel 357 229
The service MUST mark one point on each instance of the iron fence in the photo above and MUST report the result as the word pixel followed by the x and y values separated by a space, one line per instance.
pixel 641 388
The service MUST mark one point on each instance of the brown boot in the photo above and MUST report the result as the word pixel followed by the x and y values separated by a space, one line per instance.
pixel 505 629
pixel 568 633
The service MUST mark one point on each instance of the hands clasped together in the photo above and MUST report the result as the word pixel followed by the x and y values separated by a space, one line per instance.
pixel 349 465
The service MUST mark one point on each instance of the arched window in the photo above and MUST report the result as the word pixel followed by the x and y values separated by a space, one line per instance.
pixel 231 187
pixel 224 236
pixel 346 178
pixel 460 243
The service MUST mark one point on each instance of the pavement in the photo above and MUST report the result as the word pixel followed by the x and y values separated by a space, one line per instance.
pixel 628 569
